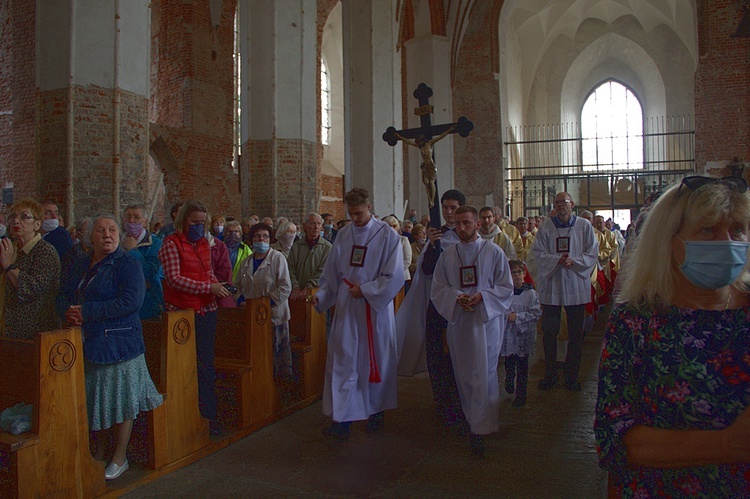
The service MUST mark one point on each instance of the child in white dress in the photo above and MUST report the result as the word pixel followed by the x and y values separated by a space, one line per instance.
pixel 520 333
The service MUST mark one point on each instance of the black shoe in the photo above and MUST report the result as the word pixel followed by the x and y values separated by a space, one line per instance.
pixel 476 445
pixel 375 422
pixel 572 385
pixel 509 386
pixel 338 431
pixel 519 401
pixel 547 383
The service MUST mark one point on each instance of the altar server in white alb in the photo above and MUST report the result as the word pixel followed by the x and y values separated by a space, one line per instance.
pixel 472 288
pixel 362 276
pixel 565 251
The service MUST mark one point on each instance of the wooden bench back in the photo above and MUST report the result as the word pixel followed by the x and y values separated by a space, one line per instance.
pixel 244 351
pixel 306 322
pixel 307 329
pixel 176 428
pixel 238 329
pixel 61 464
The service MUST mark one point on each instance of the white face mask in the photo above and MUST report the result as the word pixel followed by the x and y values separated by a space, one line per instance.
pixel 50 224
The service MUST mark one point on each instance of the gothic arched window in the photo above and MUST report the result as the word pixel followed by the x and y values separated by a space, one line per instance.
pixel 612 129
pixel 325 104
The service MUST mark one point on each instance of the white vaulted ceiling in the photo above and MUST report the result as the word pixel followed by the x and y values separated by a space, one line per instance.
pixel 538 23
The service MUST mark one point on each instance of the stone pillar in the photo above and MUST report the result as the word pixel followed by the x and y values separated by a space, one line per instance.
pixel 722 92
pixel 279 107
pixel 372 102
pixel 428 60
pixel 17 97
pixel 93 78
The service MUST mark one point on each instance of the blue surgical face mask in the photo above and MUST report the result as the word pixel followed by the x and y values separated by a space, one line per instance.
pixel 261 247
pixel 50 224
pixel 195 232
pixel 714 264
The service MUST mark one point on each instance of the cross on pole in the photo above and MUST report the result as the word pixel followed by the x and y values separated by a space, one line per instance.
pixel 422 138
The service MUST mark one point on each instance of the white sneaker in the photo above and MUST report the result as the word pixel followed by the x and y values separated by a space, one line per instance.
pixel 113 471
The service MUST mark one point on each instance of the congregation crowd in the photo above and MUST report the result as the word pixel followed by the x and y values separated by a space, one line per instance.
pixel 674 384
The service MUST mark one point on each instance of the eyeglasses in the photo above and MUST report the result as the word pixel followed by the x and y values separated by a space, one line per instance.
pixel 24 217
pixel 564 201
pixel 517 272
pixel 695 182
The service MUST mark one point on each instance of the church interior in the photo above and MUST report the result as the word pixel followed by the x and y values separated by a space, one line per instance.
pixel 279 107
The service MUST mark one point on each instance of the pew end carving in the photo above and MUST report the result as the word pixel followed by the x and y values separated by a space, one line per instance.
pixel 176 428
pixel 51 460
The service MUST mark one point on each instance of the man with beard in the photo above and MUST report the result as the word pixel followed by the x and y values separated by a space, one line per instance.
pixel 472 288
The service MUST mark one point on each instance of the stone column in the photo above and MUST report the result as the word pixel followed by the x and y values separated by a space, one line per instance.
pixel 17 98
pixel 279 107
pixel 93 78
pixel 372 102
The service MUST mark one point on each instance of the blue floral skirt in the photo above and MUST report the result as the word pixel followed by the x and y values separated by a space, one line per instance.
pixel 118 392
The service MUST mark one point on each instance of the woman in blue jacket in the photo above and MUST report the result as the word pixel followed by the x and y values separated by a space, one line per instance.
pixel 103 294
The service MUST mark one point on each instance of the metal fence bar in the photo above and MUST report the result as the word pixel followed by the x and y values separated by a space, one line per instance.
pixel 549 158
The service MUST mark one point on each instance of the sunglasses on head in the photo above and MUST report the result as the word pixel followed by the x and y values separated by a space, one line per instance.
pixel 695 182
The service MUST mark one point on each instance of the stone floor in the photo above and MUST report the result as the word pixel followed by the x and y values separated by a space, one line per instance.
pixel 544 449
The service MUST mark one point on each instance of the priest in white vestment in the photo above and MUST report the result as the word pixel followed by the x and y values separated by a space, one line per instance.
pixel 473 289
pixel 364 271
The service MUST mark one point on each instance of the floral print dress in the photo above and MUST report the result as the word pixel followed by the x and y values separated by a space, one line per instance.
pixel 677 369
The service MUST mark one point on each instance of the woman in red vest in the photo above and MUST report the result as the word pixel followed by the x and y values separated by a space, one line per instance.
pixel 189 282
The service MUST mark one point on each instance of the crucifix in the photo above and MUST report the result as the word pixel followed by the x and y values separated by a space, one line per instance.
pixel 424 138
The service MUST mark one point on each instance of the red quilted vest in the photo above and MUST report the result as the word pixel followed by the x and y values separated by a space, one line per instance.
pixel 195 264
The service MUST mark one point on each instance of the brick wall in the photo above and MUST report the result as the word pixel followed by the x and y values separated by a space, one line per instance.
pixel 17 96
pixel 722 86
pixel 93 152
pixel 282 177
pixel 51 155
pixel 478 158
pixel 333 196
pixel 192 104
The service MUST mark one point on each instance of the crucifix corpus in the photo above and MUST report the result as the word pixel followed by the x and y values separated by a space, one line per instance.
pixel 424 138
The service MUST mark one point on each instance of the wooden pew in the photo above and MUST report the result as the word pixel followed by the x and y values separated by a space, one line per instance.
pixel 54 458
pixel 244 365
pixel 307 331
pixel 176 428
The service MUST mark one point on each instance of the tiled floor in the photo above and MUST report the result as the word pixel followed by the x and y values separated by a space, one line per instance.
pixel 545 449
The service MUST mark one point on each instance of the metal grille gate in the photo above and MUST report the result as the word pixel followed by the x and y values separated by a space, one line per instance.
pixel 546 159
